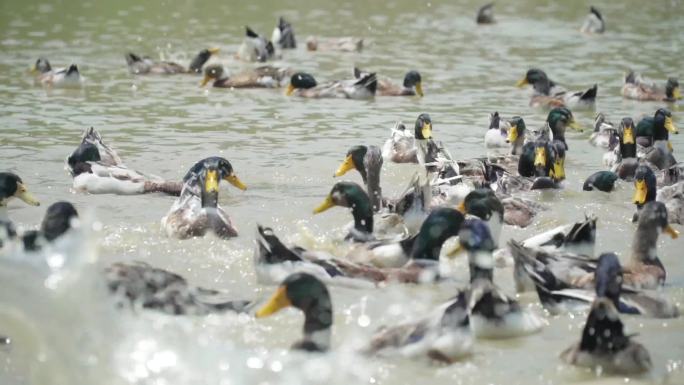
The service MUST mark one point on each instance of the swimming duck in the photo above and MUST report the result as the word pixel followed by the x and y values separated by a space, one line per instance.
pixel 485 15
pixel 260 77
pixel 496 135
pixel 341 44
pixel 635 87
pixel 604 132
pixel 412 84
pixel 255 48
pixel 401 146
pixel 594 22
pixel 58 220
pixel 600 180
pixel 484 204
pixel 61 77
pixel 673 197
pixel 98 169
pixel 12 186
pixel 548 94
pixel 283 35
pixel 443 335
pixel 351 195
pixel 493 314
pixel 625 161
pixel 651 130
pixel 196 211
pixel 304 85
pixel 140 285
pixel 139 65
pixel 308 294
pixel 367 160
pixel 645 190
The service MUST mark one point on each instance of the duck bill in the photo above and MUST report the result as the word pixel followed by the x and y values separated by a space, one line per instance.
pixel 347 165
pixel 419 89
pixel 211 181
pixel 26 196
pixel 205 80
pixel 277 302
pixel 426 131
pixel 513 134
pixel 461 207
pixel 327 203
pixel 670 126
pixel 455 251
pixel 669 230
pixel 628 136
pixel 559 170
pixel 575 126
pixel 676 94
pixel 522 82
pixel 640 193
pixel 235 181
pixel 540 157
pixel 290 90
pixel 213 50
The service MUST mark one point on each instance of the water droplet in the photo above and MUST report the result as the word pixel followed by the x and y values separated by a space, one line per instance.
pixel 363 320
pixel 255 363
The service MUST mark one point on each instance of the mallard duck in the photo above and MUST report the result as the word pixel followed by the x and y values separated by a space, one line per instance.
pixel 412 84
pixel 644 271
pixel 673 198
pixel 304 85
pixel 635 87
pixel 600 180
pixel 196 211
pixel 624 161
pixel 651 130
pixel 61 77
pixel 98 169
pixel 283 35
pixel 594 22
pixel 645 190
pixel 58 219
pixel 139 285
pixel 604 344
pixel 139 65
pixel 496 135
pixel 308 294
pixel 493 314
pixel 260 77
pixel 401 146
pixel 255 48
pixel 485 15
pixel 443 335
pixel 484 204
pixel 342 44
pixel 12 186
pixel 604 132
pixel 548 94
pixel 367 160
pixel 351 195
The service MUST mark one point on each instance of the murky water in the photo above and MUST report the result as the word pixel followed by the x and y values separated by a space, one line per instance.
pixel 286 150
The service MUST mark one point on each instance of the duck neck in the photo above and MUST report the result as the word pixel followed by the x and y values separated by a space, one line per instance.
pixel 644 245
pixel 427 246
pixel 627 150
pixel 517 145
pixel 370 172
pixel 481 265
pixel 363 215
pixel 209 199
pixel 317 325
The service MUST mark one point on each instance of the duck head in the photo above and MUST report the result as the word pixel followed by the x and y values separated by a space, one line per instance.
pixel 42 66
pixel 423 127
pixel 476 238
pixel 644 185
pixel 672 91
pixel 351 195
pixel 11 186
pixel 300 80
pixel 212 73
pixel 201 59
pixel 442 224
pixel 413 81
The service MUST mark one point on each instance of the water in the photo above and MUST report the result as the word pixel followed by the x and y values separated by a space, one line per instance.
pixel 286 150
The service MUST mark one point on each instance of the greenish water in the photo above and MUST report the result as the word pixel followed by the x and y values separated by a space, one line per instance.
pixel 286 150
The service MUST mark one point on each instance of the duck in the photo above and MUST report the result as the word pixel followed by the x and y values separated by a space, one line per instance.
pixel 367 160
pixel 548 94
pixel 604 133
pixel 651 130
pixel 255 48
pixel 496 135
pixel 556 296
pixel 305 85
pixel 443 335
pixel 624 162
pixel 412 86
pixel 260 77
pixel 283 35
pixel 484 204
pixel 59 218
pixel 196 211
pixel 594 22
pixel 403 145
pixel 12 186
pixel 646 190
pixel 645 271
pixel 60 77
pixel 98 169
pixel 351 195
pixel 673 198
pixel 139 285
pixel 636 88
pixel 493 314
pixel 485 14
pixel 339 44
pixel 143 65
pixel 307 293
pixel 558 121
pixel 601 181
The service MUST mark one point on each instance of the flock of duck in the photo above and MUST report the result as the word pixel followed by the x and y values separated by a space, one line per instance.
pixel 399 240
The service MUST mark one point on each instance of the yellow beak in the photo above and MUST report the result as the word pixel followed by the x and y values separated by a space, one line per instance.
pixel 575 126
pixel 211 181
pixel 290 90
pixel 206 80
pixel 628 136
pixel 235 181
pixel 277 301
pixel 419 89
pixel 641 191
pixel 669 126
pixel 540 156
pixel 23 194
pixel 676 94
pixel 674 234
pixel 559 169
pixel 522 82
pixel 33 70
pixel 427 131
pixel 455 251
pixel 347 165
pixel 461 207
pixel 327 203
pixel 513 134
pixel 213 50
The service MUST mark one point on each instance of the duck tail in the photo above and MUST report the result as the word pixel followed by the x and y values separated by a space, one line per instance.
pixel 368 81
pixel 132 58
pixel 582 232
pixel 250 33
pixel 270 250
pixel 590 94
pixel 631 77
